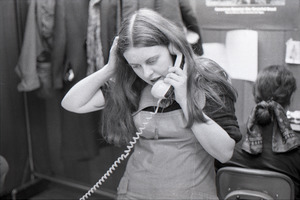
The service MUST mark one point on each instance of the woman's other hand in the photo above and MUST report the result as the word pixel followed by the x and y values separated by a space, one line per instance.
pixel 113 54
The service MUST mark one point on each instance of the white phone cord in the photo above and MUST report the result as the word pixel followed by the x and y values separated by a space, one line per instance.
pixel 122 157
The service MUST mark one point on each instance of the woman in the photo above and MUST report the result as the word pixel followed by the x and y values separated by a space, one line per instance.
pixel 269 142
pixel 174 157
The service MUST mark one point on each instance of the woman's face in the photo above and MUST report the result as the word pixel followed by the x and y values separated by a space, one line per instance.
pixel 149 63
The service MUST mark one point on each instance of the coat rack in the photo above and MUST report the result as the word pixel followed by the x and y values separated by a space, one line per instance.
pixel 37 178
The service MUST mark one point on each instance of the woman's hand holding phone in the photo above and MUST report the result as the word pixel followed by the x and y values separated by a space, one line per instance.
pixel 175 78
pixel 178 79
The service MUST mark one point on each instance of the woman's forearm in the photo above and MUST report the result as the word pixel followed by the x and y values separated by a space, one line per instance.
pixel 86 96
pixel 214 139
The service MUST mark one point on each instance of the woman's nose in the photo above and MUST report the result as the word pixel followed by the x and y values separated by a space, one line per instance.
pixel 147 71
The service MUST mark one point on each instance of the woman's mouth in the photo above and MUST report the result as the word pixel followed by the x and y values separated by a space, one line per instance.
pixel 154 80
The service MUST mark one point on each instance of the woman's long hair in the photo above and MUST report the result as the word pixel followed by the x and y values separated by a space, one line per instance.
pixel 147 28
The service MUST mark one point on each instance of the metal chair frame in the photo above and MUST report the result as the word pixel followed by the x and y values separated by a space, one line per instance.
pixel 245 183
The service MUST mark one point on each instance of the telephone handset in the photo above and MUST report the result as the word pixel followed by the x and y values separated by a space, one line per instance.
pixel 161 90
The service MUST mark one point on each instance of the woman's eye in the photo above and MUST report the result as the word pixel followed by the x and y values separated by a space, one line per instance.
pixel 152 61
pixel 135 66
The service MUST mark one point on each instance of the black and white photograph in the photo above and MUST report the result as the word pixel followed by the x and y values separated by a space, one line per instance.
pixel 150 99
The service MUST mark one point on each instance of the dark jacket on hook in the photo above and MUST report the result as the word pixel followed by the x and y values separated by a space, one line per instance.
pixel 79 132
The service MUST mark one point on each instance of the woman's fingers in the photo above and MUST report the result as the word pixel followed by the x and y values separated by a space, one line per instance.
pixel 178 79
pixel 114 44
pixel 113 52
pixel 176 70
pixel 176 74
pixel 173 76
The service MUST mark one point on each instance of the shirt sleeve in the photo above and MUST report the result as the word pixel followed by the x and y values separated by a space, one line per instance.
pixel 224 115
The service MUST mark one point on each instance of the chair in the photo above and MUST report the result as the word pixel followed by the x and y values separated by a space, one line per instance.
pixel 243 183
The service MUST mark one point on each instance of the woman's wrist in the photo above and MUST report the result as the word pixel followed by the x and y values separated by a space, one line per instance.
pixel 106 72
pixel 183 105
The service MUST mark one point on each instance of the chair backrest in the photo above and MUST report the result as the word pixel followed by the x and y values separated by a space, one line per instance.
pixel 244 183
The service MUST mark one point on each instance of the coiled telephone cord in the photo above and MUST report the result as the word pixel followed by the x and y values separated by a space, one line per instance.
pixel 122 157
